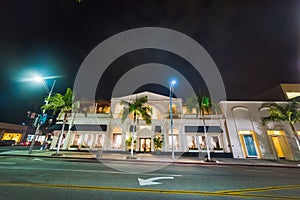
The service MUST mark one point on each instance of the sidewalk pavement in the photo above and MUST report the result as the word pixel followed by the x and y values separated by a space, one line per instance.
pixel 147 157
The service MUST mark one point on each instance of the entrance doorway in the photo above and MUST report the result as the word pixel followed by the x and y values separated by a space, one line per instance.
pixel 280 144
pixel 277 146
pixel 145 144
pixel 250 146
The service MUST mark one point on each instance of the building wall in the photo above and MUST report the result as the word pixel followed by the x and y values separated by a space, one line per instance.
pixel 243 121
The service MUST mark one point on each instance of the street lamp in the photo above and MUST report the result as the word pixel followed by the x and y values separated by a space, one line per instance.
pixel 49 92
pixel 205 131
pixel 171 117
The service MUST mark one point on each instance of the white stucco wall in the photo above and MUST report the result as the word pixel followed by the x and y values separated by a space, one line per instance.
pixel 246 116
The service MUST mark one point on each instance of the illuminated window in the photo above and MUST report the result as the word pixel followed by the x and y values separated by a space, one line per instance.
pixel 175 142
pixel 192 142
pixel 12 136
pixel 87 141
pixel 116 141
pixel 76 140
pixel 215 143
pixel 175 139
pixel 99 141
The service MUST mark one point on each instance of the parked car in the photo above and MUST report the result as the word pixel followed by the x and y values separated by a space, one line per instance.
pixel 7 143
pixel 29 143
pixel 25 143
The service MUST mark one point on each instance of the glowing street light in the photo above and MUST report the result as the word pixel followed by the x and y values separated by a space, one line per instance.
pixel 171 117
pixel 49 92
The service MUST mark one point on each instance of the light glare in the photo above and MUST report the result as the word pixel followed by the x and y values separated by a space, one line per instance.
pixel 37 78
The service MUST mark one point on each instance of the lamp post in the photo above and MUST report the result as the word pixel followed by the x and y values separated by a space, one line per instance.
pixel 205 131
pixel 40 79
pixel 171 117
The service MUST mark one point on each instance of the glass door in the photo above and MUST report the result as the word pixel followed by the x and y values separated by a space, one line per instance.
pixel 250 146
pixel 277 145
pixel 145 144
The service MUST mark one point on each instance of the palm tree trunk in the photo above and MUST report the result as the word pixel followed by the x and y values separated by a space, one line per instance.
pixel 206 138
pixel 61 134
pixel 295 135
pixel 68 135
pixel 132 135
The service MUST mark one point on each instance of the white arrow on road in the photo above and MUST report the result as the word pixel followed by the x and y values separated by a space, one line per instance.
pixel 150 181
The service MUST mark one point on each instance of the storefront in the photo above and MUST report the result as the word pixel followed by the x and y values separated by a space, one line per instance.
pixel 196 138
pixel 12 132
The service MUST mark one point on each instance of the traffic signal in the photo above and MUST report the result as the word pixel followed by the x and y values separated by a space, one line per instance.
pixel 43 118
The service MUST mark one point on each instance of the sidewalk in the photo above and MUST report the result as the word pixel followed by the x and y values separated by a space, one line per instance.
pixel 92 156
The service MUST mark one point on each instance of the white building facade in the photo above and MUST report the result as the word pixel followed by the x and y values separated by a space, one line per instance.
pixel 238 131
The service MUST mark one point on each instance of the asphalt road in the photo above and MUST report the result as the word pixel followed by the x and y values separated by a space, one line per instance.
pixel 16 148
pixel 52 178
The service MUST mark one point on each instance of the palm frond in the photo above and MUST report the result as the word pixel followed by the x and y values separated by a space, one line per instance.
pixel 59 102
pixel 280 112
pixel 138 108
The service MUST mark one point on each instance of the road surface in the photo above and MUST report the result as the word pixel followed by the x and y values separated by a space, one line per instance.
pixel 53 178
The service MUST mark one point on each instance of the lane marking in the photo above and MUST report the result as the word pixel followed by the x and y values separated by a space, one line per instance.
pixel 285 187
pixel 151 181
pixel 146 190
pixel 88 171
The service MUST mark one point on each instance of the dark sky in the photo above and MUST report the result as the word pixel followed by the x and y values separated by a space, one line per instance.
pixel 255 43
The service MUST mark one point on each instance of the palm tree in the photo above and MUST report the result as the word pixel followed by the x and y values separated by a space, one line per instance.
pixel 138 108
pixel 203 105
pixel 283 112
pixel 64 104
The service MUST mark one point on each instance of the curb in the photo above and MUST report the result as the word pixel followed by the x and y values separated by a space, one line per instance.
pixel 216 163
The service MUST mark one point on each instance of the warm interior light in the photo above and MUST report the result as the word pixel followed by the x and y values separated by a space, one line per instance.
pixel 275 132
pixel 291 95
pixel 244 132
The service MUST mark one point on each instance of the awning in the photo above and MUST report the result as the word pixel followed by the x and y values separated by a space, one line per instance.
pixel 80 127
pixel 89 127
pixel 58 127
pixel 200 129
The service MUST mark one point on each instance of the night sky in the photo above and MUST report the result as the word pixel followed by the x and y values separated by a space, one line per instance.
pixel 255 44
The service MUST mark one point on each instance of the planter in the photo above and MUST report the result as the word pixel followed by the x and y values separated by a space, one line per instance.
pixel 158 152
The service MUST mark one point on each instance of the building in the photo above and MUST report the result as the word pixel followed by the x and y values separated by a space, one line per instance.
pixel 12 132
pixel 250 139
pixel 237 130
pixel 279 92
pixel 94 129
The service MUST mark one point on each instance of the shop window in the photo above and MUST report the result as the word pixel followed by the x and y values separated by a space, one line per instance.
pixel 62 141
pixel 175 142
pixel 76 140
pixel 192 142
pixel 12 136
pixel 116 141
pixel 99 141
pixel 202 142
pixel 87 141
pixel 215 143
